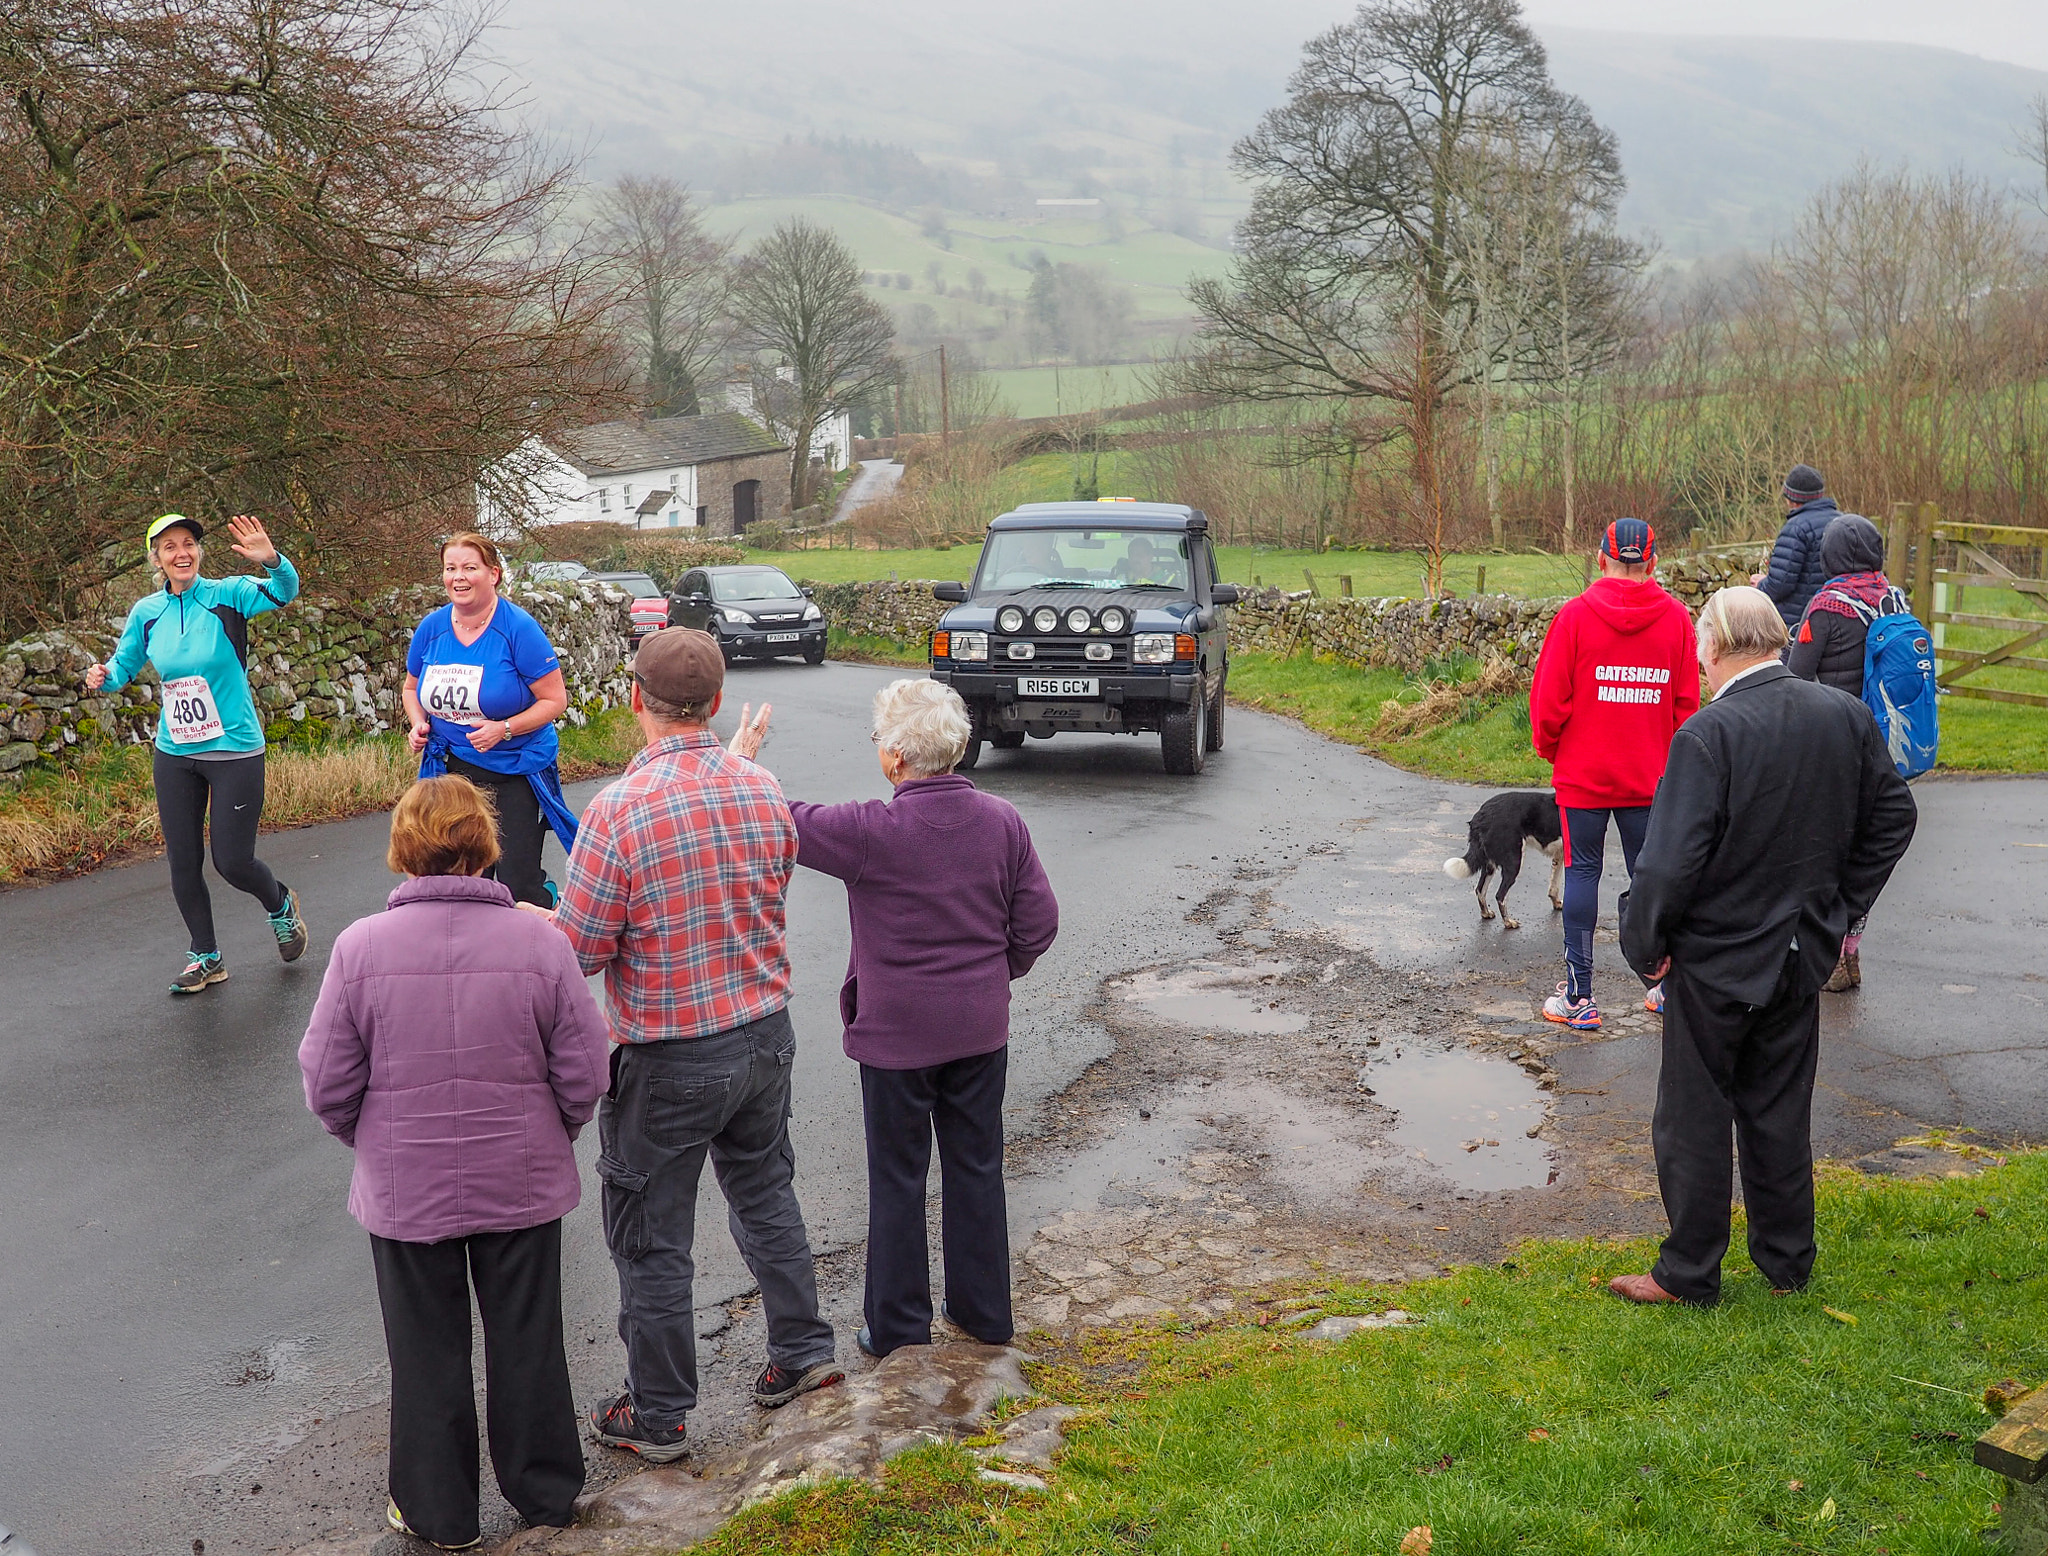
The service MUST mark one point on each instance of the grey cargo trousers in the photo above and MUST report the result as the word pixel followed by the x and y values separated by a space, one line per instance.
pixel 670 1105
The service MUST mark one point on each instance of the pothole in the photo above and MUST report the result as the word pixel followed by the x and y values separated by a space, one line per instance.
pixel 1470 1116
pixel 1215 997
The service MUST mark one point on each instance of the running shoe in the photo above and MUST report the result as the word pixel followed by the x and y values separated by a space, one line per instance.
pixel 777 1386
pixel 396 1520
pixel 617 1424
pixel 1653 999
pixel 290 928
pixel 199 972
pixel 1580 1014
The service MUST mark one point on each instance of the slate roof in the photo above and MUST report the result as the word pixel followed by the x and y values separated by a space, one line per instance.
pixel 668 442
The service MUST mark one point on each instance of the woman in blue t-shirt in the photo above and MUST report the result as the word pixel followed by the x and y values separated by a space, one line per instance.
pixel 483 689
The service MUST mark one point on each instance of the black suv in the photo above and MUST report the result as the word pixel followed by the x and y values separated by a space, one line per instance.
pixel 754 611
pixel 1102 616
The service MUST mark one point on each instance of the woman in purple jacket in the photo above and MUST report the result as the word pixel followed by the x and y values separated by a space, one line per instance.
pixel 456 1049
pixel 949 903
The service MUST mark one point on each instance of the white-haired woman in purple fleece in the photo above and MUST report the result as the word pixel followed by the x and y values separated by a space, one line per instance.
pixel 926 1004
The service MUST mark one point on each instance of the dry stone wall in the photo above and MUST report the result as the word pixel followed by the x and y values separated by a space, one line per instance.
pixel 1405 635
pixel 320 668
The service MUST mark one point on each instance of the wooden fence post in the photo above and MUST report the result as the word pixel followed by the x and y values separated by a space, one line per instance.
pixel 1345 580
pixel 1898 544
pixel 1479 584
pixel 2017 1448
pixel 1923 558
pixel 1311 577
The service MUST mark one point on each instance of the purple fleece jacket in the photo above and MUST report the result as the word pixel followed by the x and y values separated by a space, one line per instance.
pixel 455 1047
pixel 948 902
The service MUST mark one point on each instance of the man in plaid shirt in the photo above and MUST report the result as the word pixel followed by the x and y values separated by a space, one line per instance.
pixel 675 891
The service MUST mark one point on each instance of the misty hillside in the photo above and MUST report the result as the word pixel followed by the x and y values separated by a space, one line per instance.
pixel 1139 102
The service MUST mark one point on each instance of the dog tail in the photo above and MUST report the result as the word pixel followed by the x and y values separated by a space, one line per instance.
pixel 1458 869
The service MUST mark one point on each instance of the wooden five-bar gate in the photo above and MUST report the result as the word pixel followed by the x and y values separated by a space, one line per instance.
pixel 1940 560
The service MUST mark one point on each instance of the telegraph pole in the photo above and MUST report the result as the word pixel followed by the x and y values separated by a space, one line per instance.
pixel 945 405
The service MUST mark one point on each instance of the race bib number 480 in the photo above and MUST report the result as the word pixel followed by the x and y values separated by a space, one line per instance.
pixel 190 713
pixel 453 692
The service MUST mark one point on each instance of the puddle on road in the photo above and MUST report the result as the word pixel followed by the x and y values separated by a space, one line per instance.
pixel 1213 997
pixel 1449 1101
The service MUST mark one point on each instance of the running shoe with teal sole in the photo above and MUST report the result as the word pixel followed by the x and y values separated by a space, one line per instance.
pixel 289 925
pixel 396 1520
pixel 200 972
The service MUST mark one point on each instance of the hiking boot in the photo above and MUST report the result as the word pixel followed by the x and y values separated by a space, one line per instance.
pixel 1580 1014
pixel 777 1386
pixel 199 972
pixel 617 1424
pixel 289 927
pixel 396 1520
pixel 1841 980
pixel 1653 999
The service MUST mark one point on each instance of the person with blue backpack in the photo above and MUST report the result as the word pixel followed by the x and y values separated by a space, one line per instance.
pixel 1859 635
pixel 209 739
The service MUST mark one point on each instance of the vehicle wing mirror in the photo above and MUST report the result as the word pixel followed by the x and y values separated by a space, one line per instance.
pixel 808 592
pixel 951 593
pixel 1223 594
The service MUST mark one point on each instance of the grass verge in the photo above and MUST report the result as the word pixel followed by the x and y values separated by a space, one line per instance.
pixel 64 821
pixel 866 650
pixel 1486 741
pixel 1533 1413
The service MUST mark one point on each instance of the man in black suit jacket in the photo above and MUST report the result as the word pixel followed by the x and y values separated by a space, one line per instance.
pixel 1778 821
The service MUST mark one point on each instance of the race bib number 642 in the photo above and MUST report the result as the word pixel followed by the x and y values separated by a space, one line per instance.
pixel 190 713
pixel 453 692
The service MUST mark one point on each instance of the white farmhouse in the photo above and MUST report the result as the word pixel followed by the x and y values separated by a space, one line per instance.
pixel 716 473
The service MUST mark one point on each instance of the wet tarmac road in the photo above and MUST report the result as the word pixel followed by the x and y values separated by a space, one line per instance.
pixel 184 1290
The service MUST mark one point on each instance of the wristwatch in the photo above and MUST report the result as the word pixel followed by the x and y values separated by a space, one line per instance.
pixel 508 728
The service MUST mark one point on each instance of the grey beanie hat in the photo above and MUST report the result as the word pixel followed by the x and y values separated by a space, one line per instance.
pixel 1803 482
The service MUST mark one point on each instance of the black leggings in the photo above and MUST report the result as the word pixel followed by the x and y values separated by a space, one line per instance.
pixel 519 831
pixel 183 787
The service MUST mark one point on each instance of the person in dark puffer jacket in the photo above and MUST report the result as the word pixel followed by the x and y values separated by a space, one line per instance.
pixel 1828 647
pixel 1796 570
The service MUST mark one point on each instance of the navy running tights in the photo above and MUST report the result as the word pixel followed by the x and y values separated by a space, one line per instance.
pixel 184 786
pixel 1585 842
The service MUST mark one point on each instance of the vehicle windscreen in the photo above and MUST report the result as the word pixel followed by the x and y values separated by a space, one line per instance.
pixel 756 583
pixel 639 585
pixel 1084 559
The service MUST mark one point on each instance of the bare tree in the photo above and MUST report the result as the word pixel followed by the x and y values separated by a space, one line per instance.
pixel 798 297
pixel 2031 142
pixel 675 281
pixel 267 255
pixel 1354 280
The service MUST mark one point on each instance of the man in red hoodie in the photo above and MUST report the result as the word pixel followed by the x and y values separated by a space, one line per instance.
pixel 1615 679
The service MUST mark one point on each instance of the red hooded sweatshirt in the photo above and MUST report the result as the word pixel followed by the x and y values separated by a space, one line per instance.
pixel 1616 678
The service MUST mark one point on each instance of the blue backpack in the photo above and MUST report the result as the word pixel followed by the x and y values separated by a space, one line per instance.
pixel 1898 680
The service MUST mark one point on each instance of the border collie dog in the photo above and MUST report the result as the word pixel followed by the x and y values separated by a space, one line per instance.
pixel 1498 830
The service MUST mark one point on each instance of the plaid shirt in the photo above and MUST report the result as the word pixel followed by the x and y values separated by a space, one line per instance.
pixel 675 890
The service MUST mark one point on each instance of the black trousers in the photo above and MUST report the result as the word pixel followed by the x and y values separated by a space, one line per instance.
pixel 1752 1067
pixel 234 788
pixel 519 832
pixel 535 1451
pixel 962 1104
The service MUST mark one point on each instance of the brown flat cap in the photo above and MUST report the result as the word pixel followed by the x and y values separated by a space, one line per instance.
pixel 679 665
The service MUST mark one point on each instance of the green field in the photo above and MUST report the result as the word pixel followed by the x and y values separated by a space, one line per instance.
pixel 1063 391
pixel 1154 263
pixel 1392 573
pixel 1529 1412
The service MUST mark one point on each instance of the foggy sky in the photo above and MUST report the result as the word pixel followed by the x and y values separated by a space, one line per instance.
pixel 2012 30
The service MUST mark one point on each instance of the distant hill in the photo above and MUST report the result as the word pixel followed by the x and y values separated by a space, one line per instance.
pixel 1139 100
pixel 1723 139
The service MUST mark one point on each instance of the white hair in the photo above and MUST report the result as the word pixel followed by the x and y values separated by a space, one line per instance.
pixel 1741 623
pixel 923 722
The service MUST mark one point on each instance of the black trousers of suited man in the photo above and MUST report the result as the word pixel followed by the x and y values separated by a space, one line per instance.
pixel 1746 1070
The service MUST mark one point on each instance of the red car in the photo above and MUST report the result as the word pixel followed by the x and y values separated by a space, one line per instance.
pixel 650 605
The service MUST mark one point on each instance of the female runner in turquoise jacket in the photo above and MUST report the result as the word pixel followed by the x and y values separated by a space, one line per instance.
pixel 209 741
